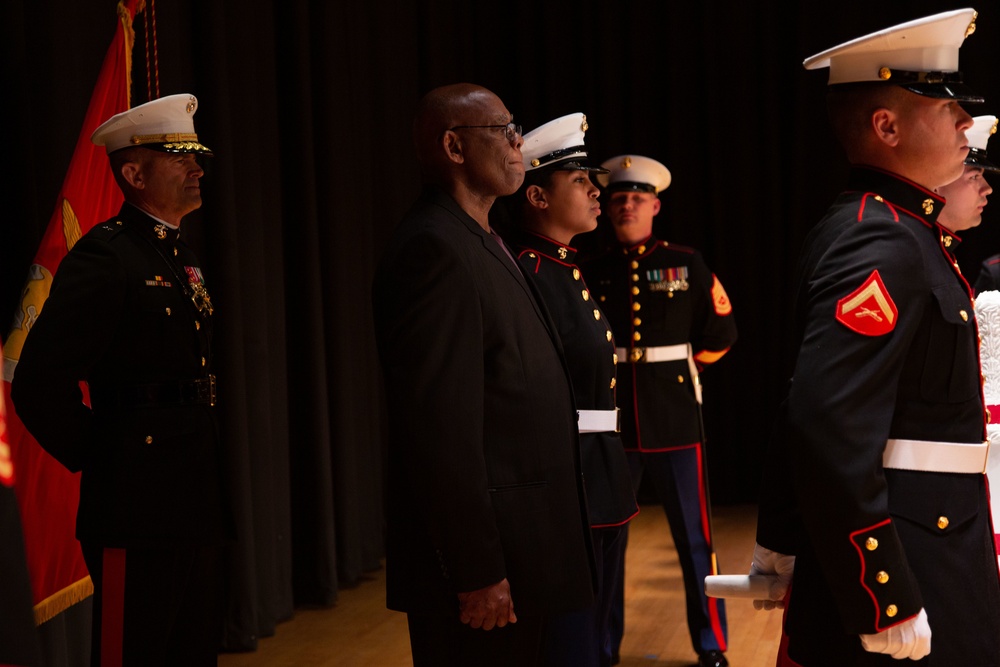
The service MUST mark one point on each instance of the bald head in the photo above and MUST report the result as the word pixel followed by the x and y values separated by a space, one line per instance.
pixel 441 109
pixel 464 145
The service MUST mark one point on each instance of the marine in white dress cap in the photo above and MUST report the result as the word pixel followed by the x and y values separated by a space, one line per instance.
pixel 919 55
pixel 558 145
pixel 165 124
pixel 983 127
pixel 634 172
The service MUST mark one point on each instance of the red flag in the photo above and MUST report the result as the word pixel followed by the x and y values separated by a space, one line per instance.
pixel 47 493
pixel 18 643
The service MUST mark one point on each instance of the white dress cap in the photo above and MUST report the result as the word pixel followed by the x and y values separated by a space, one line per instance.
pixel 921 55
pixel 983 127
pixel 164 124
pixel 634 172
pixel 557 144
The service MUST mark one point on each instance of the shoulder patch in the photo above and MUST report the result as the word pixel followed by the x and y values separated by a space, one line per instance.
pixel 720 299
pixel 868 310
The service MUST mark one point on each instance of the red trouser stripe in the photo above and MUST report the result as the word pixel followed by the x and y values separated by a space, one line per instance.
pixel 783 659
pixel 713 615
pixel 112 607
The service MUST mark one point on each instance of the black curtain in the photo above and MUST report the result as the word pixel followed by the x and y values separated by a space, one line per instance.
pixel 308 107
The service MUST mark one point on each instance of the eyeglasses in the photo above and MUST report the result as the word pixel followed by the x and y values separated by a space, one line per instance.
pixel 511 130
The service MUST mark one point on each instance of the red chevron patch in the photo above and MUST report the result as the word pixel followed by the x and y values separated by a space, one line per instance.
pixel 868 310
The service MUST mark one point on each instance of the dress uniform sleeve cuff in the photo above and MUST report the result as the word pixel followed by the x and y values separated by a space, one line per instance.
pixel 886 581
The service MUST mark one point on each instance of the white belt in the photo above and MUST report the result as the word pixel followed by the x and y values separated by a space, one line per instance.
pixel 649 355
pixel 927 456
pixel 598 421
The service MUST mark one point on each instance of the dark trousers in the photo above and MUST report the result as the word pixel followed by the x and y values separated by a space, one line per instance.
pixel 155 606
pixel 676 477
pixel 441 640
pixel 583 638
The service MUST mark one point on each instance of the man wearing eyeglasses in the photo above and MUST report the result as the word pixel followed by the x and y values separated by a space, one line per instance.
pixel 487 532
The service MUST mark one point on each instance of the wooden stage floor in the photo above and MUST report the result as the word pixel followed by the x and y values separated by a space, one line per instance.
pixel 360 632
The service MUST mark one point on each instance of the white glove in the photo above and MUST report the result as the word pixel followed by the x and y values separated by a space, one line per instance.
pixel 766 561
pixel 910 639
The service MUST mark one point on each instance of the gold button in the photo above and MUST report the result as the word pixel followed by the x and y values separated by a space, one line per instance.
pixel 609 334
pixel 635 264
pixel 175 252
pixel 670 295
pixel 586 295
pixel 636 306
pixel 942 522
pixel 197 325
pixel 871 544
pixel 614 358
pixel 878 198
pixel 637 336
pixel 635 277
pixel 891 610
pixel 576 274
pixel 680 379
pixel 882 577
pixel 118 222
pixel 964 315
pixel 597 314
pixel 613 383
pixel 637 321
pixel 531 255
pixel 635 290
pixel 149 439
pixel 168 312
pixel 603 298
pixel 203 361
pixel 642 249
pixel 884 73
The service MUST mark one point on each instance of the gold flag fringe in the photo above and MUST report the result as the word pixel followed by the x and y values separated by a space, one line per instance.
pixel 62 600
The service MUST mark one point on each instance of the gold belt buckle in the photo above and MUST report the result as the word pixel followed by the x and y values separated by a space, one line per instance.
pixel 637 354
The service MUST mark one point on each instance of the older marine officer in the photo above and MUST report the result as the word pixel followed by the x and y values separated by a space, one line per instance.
pixel 130 314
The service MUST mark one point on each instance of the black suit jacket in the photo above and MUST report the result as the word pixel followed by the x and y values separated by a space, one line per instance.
pixel 484 472
pixel 118 318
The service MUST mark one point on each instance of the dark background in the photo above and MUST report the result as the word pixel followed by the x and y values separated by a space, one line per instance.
pixel 308 107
